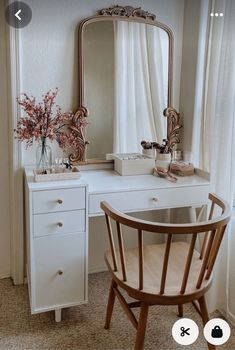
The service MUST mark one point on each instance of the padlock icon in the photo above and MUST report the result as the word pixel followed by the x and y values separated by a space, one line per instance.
pixel 217 332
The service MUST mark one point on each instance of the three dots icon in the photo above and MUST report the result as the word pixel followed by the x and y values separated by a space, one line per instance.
pixel 216 14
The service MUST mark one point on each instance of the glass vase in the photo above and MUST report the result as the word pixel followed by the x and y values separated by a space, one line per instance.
pixel 43 155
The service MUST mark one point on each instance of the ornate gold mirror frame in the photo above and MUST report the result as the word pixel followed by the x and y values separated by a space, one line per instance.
pixel 124 13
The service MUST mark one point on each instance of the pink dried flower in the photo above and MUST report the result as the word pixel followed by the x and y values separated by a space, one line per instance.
pixel 39 122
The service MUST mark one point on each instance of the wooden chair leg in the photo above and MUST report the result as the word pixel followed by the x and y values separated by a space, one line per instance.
pixel 205 317
pixel 139 343
pixel 180 310
pixel 111 300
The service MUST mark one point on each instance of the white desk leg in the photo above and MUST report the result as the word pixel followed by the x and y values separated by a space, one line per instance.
pixel 168 216
pixel 58 315
pixel 192 214
pixel 201 215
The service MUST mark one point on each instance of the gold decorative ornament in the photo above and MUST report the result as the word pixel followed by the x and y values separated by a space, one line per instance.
pixel 77 128
pixel 127 11
pixel 174 126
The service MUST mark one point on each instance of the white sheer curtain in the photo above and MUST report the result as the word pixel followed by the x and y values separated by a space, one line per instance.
pixel 215 146
pixel 141 66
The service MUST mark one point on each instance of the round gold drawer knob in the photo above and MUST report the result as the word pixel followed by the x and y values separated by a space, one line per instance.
pixel 155 199
pixel 60 272
pixel 59 201
pixel 60 224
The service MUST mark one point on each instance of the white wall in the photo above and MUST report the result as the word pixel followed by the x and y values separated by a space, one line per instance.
pixel 4 158
pixel 191 42
pixel 48 55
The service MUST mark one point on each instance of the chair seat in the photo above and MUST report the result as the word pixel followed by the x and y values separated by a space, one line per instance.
pixel 153 258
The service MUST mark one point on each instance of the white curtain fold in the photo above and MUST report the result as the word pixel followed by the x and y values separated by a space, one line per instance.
pixel 141 66
pixel 214 138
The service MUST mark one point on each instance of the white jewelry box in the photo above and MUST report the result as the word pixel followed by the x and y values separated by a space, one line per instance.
pixel 133 164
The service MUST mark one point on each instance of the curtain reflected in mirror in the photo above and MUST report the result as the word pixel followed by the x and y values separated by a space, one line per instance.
pixel 125 85
pixel 141 82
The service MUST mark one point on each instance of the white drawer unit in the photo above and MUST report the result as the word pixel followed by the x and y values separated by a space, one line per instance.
pixel 57 244
pixel 57 226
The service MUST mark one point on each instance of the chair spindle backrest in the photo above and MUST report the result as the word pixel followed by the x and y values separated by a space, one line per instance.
pixel 165 263
pixel 207 233
pixel 141 259
pixel 213 230
pixel 111 242
pixel 121 250
pixel 188 263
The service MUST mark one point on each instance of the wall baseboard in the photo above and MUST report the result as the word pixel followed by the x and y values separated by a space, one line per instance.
pixel 229 317
pixel 2 276
pixel 96 269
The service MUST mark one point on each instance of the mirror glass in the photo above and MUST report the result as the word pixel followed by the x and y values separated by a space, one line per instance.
pixel 125 85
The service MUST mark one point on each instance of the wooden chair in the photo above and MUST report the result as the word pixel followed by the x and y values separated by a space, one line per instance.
pixel 173 273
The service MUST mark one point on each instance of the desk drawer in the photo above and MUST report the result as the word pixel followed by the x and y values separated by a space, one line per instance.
pixel 59 266
pixel 59 223
pixel 149 199
pixel 58 200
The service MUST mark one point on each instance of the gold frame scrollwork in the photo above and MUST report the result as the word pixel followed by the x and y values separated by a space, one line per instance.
pixel 77 127
pixel 127 11
pixel 173 126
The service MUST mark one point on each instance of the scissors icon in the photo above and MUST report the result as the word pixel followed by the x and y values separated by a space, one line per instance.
pixel 184 331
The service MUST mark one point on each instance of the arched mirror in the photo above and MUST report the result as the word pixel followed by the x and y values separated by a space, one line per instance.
pixel 125 81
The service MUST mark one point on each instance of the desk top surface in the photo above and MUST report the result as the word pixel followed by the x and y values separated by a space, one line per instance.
pixel 100 181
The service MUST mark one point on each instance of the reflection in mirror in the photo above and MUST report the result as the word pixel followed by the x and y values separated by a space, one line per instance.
pixel 125 85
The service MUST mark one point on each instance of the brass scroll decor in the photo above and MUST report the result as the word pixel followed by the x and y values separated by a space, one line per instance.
pixel 127 11
pixel 174 126
pixel 77 129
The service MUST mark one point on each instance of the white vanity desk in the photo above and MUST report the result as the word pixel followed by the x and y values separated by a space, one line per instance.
pixel 57 225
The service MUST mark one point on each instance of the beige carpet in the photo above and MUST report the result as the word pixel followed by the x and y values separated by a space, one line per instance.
pixel 82 327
